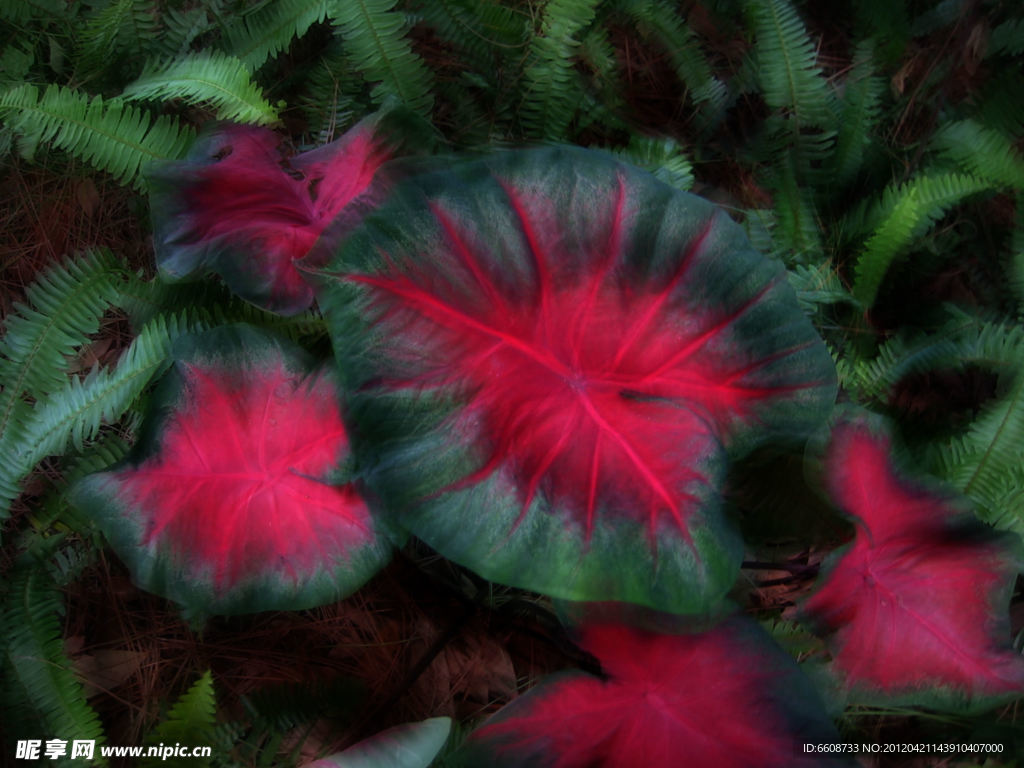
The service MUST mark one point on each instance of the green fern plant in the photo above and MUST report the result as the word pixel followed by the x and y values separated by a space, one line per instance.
pixel 42 695
pixel 980 151
pixel 221 81
pixel 662 157
pixel 985 463
pixel 113 36
pixel 374 36
pixel 551 86
pixel 111 135
pixel 269 28
pixel 489 35
pixel 660 22
pixel 859 112
pixel 65 307
pixel 910 209
pixel 191 720
pixel 787 67
pixel 75 413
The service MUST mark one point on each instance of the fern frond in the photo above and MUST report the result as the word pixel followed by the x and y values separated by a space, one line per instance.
pixel 912 208
pixel 333 95
pixel 119 30
pixel 1017 258
pixel 109 135
pixel 75 413
pixel 181 27
pixel 486 31
pixel 270 28
pixel 603 102
pixel 662 22
pixel 210 303
pixel 65 306
pixel 190 721
pixel 211 78
pixel 54 509
pixel 986 463
pixel 552 85
pixel 817 285
pixel 796 232
pixel 788 70
pixel 663 157
pixel 15 62
pixel 17 11
pixel 42 696
pixel 873 381
pixel 374 37
pixel 981 151
pixel 1006 39
pixel 962 341
pixel 859 111
pixel 1001 104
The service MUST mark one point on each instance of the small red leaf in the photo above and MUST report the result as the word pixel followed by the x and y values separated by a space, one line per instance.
pixel 727 698
pixel 238 208
pixel 918 602
pixel 234 506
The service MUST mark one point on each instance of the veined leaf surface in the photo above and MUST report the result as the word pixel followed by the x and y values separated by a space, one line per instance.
pixel 551 352
pixel 918 603
pixel 237 208
pixel 726 698
pixel 237 500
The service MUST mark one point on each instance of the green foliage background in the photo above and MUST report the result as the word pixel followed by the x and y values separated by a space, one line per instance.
pixel 871 145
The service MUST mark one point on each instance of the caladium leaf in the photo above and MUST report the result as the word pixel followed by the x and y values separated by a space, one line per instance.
pixel 236 207
pixel 552 351
pixel 413 745
pixel 724 698
pixel 237 500
pixel 918 603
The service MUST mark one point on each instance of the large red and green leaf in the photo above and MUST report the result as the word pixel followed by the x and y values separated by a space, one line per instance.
pixel 553 352
pixel 238 208
pixel 918 603
pixel 238 499
pixel 725 698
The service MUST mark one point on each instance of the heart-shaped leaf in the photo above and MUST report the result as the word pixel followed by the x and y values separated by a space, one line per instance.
pixel 413 745
pixel 724 698
pixel 237 499
pixel 918 603
pixel 550 349
pixel 236 207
